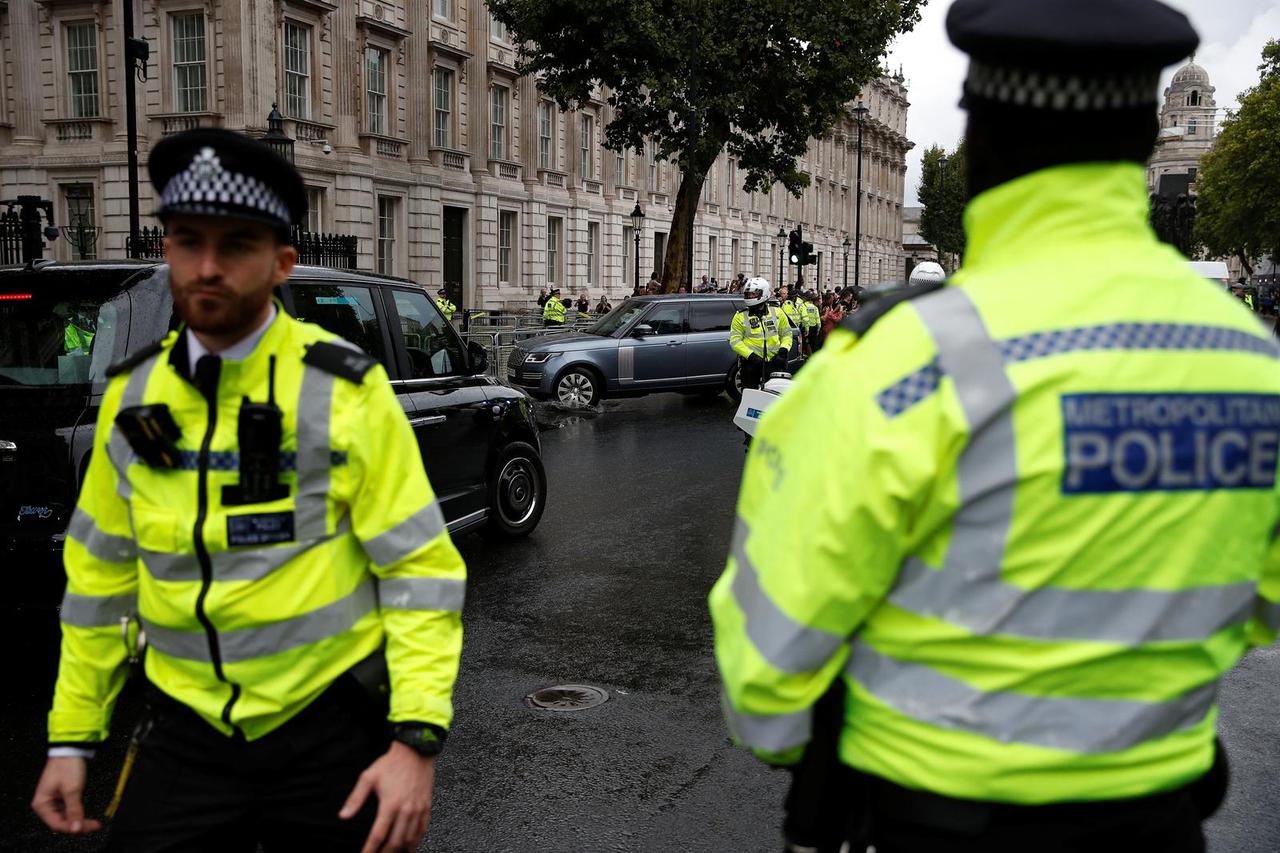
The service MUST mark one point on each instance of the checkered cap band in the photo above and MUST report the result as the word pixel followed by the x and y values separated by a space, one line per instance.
pixel 206 187
pixel 1060 92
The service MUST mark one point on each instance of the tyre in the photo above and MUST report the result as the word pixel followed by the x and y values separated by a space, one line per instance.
pixel 517 493
pixel 733 384
pixel 577 388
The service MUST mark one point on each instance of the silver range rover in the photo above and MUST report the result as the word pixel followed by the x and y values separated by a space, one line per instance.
pixel 648 344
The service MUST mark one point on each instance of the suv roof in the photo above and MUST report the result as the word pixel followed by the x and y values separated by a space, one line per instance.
pixel 662 297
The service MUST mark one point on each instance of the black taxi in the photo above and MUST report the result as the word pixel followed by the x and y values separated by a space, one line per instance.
pixel 63 324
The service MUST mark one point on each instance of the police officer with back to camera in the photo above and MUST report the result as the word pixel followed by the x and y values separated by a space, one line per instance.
pixel 1047 500
pixel 760 335
pixel 296 585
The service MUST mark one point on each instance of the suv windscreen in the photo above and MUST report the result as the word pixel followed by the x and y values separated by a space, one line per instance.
pixel 62 327
pixel 618 318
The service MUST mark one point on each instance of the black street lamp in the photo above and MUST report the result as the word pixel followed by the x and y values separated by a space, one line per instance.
pixel 942 205
pixel 859 113
pixel 846 244
pixel 637 222
pixel 782 252
pixel 275 137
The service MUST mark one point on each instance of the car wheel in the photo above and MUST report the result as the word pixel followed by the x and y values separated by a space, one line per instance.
pixel 733 384
pixel 577 388
pixel 517 492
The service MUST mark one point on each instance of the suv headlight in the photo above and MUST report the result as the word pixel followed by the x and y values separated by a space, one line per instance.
pixel 540 357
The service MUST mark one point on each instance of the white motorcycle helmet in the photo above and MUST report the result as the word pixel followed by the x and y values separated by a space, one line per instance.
pixel 756 291
pixel 927 273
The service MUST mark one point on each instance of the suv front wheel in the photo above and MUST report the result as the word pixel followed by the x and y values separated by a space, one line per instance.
pixel 517 492
pixel 577 388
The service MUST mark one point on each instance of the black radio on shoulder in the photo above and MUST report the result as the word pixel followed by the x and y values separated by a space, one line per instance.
pixel 260 431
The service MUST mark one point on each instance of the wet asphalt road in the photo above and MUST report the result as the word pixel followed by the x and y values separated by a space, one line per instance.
pixel 610 591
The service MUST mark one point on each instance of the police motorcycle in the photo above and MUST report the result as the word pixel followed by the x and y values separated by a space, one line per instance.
pixel 757 400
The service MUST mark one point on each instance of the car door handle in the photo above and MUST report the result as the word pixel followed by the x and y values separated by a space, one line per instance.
pixel 675 343
pixel 430 420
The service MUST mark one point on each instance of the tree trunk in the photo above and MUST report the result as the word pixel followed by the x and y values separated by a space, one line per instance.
pixel 675 272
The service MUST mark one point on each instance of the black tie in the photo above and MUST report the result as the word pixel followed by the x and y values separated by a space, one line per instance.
pixel 207 369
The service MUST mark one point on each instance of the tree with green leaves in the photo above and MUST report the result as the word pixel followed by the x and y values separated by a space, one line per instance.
pixel 759 78
pixel 1238 209
pixel 942 194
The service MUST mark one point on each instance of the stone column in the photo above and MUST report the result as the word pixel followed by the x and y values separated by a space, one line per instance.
pixel 419 61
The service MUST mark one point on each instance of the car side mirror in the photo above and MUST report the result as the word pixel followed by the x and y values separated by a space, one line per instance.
pixel 644 330
pixel 478 356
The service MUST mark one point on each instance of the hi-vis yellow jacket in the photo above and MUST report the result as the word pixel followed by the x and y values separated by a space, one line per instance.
pixel 1032 520
pixel 251 611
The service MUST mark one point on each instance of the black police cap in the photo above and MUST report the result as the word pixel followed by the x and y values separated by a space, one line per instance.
pixel 1068 55
pixel 215 172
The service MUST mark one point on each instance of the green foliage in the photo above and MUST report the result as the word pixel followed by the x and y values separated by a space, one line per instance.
pixel 1238 210
pixel 768 74
pixel 943 199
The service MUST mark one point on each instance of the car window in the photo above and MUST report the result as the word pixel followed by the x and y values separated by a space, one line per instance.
pixel 617 318
pixel 344 309
pixel 666 319
pixel 713 316
pixel 433 348
pixel 62 326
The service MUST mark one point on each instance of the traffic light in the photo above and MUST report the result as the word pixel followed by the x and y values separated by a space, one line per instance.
pixel 794 248
pixel 807 257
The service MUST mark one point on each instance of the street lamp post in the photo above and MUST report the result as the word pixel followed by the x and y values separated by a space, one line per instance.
pixel 782 252
pixel 637 222
pixel 859 113
pixel 846 244
pixel 275 137
pixel 942 207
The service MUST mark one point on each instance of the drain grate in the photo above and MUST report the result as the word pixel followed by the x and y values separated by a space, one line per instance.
pixel 566 697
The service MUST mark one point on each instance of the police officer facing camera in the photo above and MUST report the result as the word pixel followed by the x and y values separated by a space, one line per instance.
pixel 1048 499
pixel 296 585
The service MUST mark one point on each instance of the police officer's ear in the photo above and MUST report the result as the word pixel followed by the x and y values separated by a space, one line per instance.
pixel 286 258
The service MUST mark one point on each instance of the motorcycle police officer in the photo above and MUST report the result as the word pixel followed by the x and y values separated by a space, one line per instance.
pixel 760 335
pixel 1046 501
pixel 295 582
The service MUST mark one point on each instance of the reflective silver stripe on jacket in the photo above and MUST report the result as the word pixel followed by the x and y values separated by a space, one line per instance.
pixel 249 564
pixel 786 644
pixel 771 733
pixel 392 546
pixel 97 611
pixel 272 638
pixel 315 405
pixel 1065 722
pixel 118 449
pixel 447 594
pixel 107 547
pixel 968 590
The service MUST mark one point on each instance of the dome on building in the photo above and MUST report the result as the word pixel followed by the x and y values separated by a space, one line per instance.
pixel 1191 73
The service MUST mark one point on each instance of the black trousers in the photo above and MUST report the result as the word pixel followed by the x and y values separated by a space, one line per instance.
pixel 900 820
pixel 195 790
pixel 754 371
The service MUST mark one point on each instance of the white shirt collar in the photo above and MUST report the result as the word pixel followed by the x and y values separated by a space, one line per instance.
pixel 236 352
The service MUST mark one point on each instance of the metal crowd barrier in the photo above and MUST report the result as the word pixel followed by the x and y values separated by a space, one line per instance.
pixel 499 332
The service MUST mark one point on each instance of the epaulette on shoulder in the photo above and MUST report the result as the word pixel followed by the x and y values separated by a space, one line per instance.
pixel 861 321
pixel 342 361
pixel 129 362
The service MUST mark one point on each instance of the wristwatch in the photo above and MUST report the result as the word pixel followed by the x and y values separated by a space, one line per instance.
pixel 423 738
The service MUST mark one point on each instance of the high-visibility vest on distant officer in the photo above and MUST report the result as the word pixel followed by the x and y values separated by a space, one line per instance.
pixel 812 316
pixel 554 311
pixel 1044 494
pixel 340 567
pixel 794 314
pixel 445 305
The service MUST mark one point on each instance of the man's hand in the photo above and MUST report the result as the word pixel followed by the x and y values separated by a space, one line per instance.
pixel 402 780
pixel 57 800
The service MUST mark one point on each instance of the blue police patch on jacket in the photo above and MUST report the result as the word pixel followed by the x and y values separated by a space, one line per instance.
pixel 1169 442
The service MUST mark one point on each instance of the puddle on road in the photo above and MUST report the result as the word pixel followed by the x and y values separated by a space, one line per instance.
pixel 551 415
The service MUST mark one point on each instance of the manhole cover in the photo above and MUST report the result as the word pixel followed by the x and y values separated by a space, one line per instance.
pixel 566 697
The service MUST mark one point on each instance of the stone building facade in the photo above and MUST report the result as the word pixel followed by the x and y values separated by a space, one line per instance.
pixel 415 133
pixel 1188 127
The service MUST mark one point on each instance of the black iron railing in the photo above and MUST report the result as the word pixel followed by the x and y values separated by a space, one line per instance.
pixel 337 251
